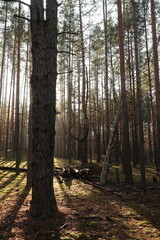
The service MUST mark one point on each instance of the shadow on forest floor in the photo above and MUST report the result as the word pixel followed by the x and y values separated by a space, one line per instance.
pixel 85 212
pixel 16 222
pixel 101 215
pixel 8 222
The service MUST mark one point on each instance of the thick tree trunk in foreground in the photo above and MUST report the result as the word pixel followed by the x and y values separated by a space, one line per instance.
pixel 43 84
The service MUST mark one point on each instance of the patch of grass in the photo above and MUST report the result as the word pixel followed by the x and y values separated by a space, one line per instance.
pixel 150 171
pixel 66 238
pixel 61 162
pixel 130 212
pixel 11 184
pixel 158 234
pixel 72 234
pixel 93 224
pixel 105 228
pixel 133 230
pixel 12 163
pixel 143 223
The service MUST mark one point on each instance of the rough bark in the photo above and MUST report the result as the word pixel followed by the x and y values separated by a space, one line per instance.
pixel 152 142
pixel 105 21
pixel 84 99
pixel 43 83
pixel 17 117
pixel 125 122
pixel 156 80
pixel 3 51
pixel 139 99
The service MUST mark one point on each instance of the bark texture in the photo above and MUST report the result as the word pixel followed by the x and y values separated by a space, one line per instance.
pixel 125 121
pixel 43 84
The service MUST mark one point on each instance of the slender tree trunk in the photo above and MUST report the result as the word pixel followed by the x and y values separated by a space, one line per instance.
pixel 125 122
pixel 8 116
pixel 151 121
pixel 3 51
pixel 139 99
pixel 17 117
pixel 157 83
pixel 105 22
pixel 13 104
pixel 90 115
pixel 2 71
pixel 151 110
pixel 4 105
pixel 79 144
pixel 84 104
pixel 29 156
pixel 98 113
pixel 105 167
pixel 134 112
pixel 69 145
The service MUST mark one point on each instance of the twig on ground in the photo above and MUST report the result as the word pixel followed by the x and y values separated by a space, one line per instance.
pixel 151 188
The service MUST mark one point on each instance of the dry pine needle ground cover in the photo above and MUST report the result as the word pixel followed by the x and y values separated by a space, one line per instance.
pixel 85 212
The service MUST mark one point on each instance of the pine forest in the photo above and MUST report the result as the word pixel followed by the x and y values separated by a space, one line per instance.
pixel 80 119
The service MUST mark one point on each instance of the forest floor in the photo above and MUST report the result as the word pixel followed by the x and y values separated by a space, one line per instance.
pixel 84 212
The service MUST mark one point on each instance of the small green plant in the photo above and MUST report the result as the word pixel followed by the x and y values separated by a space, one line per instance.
pixel 66 238
pixel 93 224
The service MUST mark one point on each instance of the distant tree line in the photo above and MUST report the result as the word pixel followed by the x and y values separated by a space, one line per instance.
pixel 107 68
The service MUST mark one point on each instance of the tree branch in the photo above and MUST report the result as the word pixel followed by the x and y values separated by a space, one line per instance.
pixel 66 52
pixel 67 33
pixel 26 4
pixel 18 16
pixel 151 188
pixel 65 72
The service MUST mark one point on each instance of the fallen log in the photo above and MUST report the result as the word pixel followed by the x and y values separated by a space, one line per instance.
pixel 151 188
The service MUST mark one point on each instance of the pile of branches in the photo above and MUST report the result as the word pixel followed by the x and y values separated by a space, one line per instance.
pixel 84 174
pixel 67 172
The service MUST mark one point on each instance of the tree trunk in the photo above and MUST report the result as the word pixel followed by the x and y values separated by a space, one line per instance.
pixel 103 180
pixel 84 99
pixel 151 108
pixel 125 123
pixel 43 84
pixel 17 117
pixel 157 83
pixel 105 21
pixel 69 140
pixel 3 51
pixel 139 100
